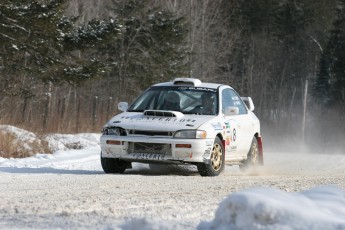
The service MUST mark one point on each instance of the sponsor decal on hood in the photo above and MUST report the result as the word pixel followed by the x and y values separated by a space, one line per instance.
pixel 132 120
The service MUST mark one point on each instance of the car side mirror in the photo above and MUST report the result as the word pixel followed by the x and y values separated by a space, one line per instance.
pixel 231 111
pixel 122 106
pixel 249 103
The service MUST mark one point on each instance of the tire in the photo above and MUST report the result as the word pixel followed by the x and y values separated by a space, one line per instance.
pixel 216 165
pixel 114 165
pixel 253 158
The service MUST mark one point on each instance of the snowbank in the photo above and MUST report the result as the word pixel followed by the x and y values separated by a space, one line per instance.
pixel 19 142
pixel 30 143
pixel 72 141
pixel 267 208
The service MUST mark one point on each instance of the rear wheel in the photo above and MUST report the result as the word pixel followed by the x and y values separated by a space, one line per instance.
pixel 114 165
pixel 216 164
pixel 252 156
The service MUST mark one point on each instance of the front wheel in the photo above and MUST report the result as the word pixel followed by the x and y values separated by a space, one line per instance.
pixel 216 164
pixel 114 165
pixel 252 156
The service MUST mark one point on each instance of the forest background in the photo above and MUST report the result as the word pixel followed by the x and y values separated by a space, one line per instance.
pixel 65 64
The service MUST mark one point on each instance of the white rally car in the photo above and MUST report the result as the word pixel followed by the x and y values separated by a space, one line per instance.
pixel 184 121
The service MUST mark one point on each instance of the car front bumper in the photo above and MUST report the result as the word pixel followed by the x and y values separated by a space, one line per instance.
pixel 156 149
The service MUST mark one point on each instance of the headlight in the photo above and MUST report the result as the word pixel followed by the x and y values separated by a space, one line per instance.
pixel 116 131
pixel 190 134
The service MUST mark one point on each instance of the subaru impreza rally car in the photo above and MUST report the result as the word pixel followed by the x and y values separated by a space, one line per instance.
pixel 184 121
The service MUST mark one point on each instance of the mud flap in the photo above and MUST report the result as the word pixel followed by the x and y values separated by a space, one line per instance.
pixel 261 152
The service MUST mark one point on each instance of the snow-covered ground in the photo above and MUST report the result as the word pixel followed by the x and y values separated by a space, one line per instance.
pixel 68 190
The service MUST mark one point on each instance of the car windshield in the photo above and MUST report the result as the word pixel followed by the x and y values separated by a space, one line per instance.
pixel 187 100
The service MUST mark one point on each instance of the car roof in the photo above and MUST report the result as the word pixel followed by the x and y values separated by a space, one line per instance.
pixel 192 82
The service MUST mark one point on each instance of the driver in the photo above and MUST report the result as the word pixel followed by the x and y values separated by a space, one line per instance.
pixel 207 104
pixel 172 102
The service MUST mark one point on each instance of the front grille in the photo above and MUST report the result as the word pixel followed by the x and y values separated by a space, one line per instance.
pixel 157 148
pixel 150 133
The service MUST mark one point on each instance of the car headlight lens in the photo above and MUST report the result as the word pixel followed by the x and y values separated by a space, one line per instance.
pixel 190 134
pixel 116 131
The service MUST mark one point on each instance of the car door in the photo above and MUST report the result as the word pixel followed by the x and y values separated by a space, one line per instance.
pixel 240 126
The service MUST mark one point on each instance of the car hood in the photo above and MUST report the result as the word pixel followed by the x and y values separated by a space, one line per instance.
pixel 139 121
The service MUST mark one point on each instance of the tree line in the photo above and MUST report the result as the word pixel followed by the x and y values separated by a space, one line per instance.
pixel 64 64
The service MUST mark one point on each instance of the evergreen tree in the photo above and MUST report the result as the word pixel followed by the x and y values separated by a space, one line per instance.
pixel 149 48
pixel 289 31
pixel 29 42
pixel 321 90
pixel 38 43
pixel 329 88
pixel 337 47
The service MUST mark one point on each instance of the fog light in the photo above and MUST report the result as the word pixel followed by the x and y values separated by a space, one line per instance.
pixel 187 146
pixel 111 142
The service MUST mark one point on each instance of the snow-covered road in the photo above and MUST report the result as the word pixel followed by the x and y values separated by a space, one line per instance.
pixel 68 190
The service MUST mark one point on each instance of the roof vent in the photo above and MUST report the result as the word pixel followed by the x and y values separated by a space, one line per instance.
pixel 187 81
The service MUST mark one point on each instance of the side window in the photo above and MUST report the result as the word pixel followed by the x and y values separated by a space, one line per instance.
pixel 226 99
pixel 231 99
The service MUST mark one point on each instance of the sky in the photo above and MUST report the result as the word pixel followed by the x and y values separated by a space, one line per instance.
pixel 321 207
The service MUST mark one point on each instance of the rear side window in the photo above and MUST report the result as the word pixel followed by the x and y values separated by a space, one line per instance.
pixel 231 99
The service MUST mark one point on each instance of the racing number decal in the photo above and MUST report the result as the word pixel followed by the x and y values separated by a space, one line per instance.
pixel 234 135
